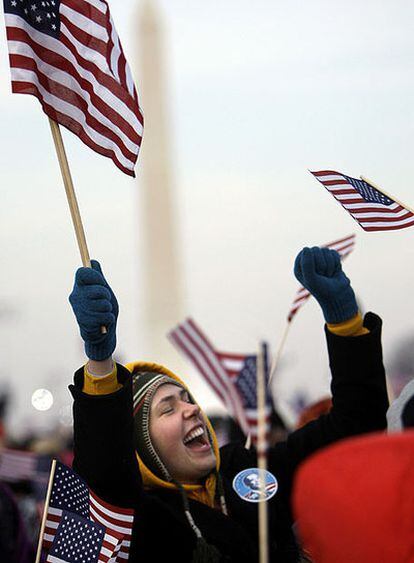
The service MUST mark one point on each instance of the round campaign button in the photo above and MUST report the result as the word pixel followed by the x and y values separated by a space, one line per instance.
pixel 255 485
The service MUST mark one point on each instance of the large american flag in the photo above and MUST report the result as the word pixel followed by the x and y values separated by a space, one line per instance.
pixel 343 246
pixel 372 209
pixel 67 53
pixel 231 376
pixel 71 495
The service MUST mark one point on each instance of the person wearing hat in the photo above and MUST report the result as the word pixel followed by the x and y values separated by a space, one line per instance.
pixel 354 503
pixel 400 414
pixel 141 440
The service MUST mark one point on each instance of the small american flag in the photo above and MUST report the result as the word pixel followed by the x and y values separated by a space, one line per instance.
pixel 343 246
pixel 372 209
pixel 231 376
pixel 71 496
pixel 68 54
pixel 78 540
pixel 20 465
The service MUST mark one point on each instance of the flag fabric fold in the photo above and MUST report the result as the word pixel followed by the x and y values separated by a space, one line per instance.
pixel 231 376
pixel 75 509
pixel 372 209
pixel 67 53
pixel 343 246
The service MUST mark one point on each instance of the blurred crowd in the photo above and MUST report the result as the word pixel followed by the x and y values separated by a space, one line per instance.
pixel 24 474
pixel 372 468
pixel 25 466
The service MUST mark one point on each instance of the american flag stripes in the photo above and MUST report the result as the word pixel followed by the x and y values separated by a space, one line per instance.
pixel 68 54
pixel 72 497
pixel 372 209
pixel 231 376
pixel 343 246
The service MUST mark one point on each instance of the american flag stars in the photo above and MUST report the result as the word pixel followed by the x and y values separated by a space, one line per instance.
pixel 77 540
pixel 246 383
pixel 37 14
pixel 369 193
pixel 71 498
pixel 69 492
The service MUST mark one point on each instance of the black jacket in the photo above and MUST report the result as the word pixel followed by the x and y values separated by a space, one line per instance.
pixel 104 457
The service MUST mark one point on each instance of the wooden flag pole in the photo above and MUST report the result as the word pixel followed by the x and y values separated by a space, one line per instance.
pixel 278 353
pixel 71 197
pixel 248 442
pixel 262 455
pixel 386 194
pixel 70 193
pixel 43 525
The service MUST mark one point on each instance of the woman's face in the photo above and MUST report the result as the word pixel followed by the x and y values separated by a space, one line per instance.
pixel 179 435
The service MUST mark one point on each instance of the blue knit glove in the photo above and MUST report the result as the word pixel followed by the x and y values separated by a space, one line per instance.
pixel 319 271
pixel 95 305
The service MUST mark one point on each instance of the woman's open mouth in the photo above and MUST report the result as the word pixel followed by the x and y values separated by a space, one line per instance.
pixel 197 440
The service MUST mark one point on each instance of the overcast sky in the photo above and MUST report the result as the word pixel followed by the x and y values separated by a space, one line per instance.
pixel 257 95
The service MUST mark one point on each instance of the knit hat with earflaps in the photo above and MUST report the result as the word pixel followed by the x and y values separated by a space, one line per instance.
pixel 354 501
pixel 144 387
pixel 147 378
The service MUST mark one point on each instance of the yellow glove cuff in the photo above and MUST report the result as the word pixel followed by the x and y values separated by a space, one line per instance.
pixel 351 327
pixel 104 385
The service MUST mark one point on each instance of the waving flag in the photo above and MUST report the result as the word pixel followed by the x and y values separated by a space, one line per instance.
pixel 372 209
pixel 68 54
pixel 20 465
pixel 231 376
pixel 343 246
pixel 72 506
pixel 78 540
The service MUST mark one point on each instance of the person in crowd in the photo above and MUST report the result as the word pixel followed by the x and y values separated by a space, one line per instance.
pixel 15 546
pixel 354 503
pixel 142 440
pixel 314 411
pixel 400 414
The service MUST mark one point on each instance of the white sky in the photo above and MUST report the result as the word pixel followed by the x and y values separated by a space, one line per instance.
pixel 258 94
